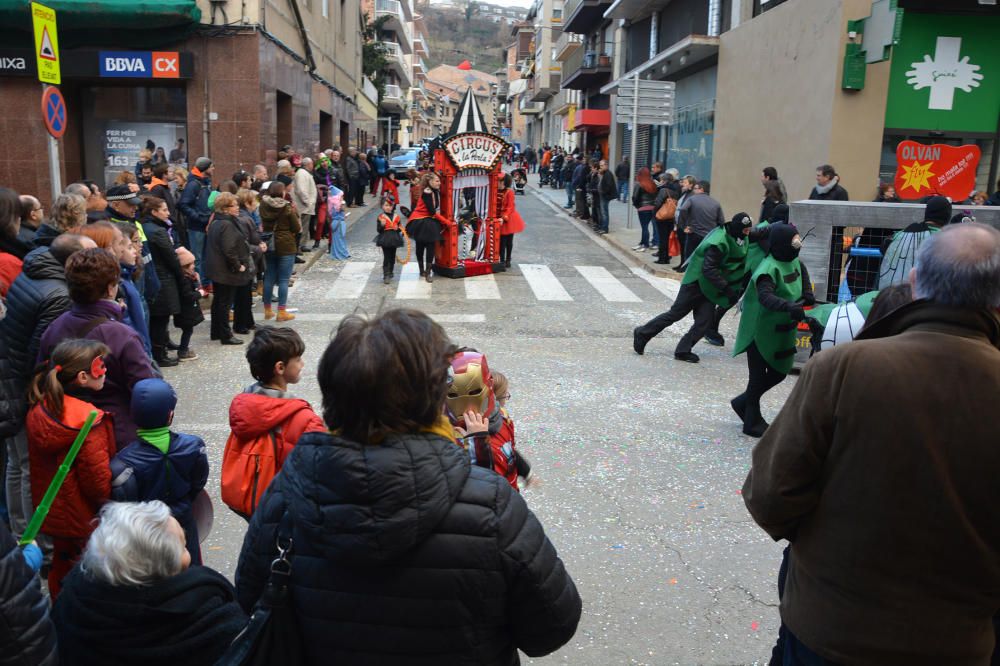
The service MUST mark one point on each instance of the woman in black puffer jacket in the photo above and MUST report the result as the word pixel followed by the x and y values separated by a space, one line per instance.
pixel 402 552
pixel 27 635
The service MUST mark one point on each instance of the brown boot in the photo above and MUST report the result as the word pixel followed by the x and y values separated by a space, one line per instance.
pixel 268 312
pixel 284 315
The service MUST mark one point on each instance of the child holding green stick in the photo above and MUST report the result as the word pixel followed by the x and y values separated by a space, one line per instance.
pixel 59 395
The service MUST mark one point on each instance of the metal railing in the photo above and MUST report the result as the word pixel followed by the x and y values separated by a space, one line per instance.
pixel 588 58
pixel 567 41
pixel 393 50
pixel 392 91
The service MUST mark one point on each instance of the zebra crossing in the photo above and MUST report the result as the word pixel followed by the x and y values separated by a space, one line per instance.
pixel 355 276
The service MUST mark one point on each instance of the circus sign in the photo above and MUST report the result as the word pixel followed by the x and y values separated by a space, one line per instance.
pixel 474 150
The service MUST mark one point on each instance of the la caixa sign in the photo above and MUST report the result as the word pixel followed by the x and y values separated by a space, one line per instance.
pixel 84 63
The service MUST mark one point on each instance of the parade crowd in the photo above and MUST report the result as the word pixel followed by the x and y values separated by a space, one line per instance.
pixel 392 517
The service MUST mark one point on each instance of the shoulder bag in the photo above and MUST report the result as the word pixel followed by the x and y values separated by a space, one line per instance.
pixel 668 210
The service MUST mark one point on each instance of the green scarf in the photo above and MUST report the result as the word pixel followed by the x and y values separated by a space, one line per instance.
pixel 158 437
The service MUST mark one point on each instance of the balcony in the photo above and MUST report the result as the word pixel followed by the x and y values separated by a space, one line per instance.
pixel 588 68
pixel 543 85
pixel 393 100
pixel 567 44
pixel 420 47
pixel 564 99
pixel 529 108
pixel 398 22
pixel 396 63
pixel 419 68
pixel 580 16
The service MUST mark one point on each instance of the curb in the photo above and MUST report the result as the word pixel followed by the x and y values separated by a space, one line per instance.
pixel 616 248
pixel 351 221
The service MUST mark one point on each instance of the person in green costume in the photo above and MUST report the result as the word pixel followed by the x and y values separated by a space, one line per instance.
pixel 772 310
pixel 714 277
pixel 756 251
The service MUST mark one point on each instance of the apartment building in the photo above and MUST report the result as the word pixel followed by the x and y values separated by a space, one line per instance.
pixel 543 73
pixel 395 34
pixel 233 79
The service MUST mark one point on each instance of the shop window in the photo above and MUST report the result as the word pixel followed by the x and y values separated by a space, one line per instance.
pixel 283 106
pixel 118 122
pixel 690 147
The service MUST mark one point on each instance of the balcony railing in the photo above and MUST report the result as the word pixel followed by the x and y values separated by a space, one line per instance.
pixel 400 8
pixel 529 108
pixel 567 43
pixel 392 91
pixel 393 51
pixel 581 15
pixel 587 67
pixel 399 20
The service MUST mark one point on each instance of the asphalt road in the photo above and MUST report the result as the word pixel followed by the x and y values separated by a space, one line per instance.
pixel 641 458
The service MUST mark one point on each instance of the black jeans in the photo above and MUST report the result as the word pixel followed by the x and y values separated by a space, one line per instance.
pixel 223 296
pixel 506 247
pixel 243 307
pixel 682 239
pixel 158 334
pixel 663 229
pixel 357 196
pixel 388 260
pixel 425 253
pixel 762 379
pixel 185 342
pixel 689 299
pixel 582 210
pixel 691 242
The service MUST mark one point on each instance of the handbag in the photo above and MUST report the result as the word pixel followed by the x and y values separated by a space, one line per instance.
pixel 674 245
pixel 272 634
pixel 268 237
pixel 668 210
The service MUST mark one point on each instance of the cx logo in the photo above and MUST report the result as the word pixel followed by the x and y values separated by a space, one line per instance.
pixel 166 65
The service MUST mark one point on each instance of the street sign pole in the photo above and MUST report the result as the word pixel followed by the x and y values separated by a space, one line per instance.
pixel 55 176
pixel 631 153
pixel 43 23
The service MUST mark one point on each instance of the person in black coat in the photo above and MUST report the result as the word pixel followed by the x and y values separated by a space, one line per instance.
pixel 828 187
pixel 135 599
pixel 227 263
pixel 26 632
pixel 36 299
pixel 402 551
pixel 157 227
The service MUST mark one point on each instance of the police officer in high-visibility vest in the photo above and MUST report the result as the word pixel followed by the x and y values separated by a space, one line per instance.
pixel 772 309
pixel 714 277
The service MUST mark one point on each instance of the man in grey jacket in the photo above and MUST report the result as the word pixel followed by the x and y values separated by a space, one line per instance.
pixel 700 214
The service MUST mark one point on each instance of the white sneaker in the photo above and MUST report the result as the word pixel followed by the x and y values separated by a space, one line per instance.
pixel 638 248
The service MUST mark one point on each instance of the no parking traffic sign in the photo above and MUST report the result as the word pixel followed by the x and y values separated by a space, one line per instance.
pixel 54 111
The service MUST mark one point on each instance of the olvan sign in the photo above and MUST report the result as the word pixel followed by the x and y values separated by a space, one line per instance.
pixel 475 150
pixel 140 64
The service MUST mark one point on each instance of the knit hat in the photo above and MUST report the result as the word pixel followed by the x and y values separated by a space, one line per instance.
pixel 203 163
pixel 938 210
pixel 152 402
pixel 736 226
pixel 779 214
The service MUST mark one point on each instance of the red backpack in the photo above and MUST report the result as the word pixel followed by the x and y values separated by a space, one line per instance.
pixel 247 470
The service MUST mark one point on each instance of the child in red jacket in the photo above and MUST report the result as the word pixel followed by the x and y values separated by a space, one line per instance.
pixel 266 420
pixel 504 444
pixel 58 394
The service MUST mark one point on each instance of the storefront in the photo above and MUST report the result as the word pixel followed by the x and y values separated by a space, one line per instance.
pixel 687 144
pixel 944 88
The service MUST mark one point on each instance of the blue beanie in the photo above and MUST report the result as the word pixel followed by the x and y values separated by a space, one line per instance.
pixel 152 402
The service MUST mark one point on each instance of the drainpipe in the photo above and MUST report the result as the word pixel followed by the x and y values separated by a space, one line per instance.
pixel 654 28
pixel 714 17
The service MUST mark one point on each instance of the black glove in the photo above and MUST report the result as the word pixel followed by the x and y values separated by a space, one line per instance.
pixel 732 295
pixel 809 299
pixel 797 313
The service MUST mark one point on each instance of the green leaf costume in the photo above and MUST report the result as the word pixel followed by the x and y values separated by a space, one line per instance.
pixel 773 332
pixel 755 253
pixel 733 266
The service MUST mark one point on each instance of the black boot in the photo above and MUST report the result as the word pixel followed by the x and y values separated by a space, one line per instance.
pixel 161 358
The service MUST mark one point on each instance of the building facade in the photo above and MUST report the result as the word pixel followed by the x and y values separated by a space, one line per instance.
pixel 232 80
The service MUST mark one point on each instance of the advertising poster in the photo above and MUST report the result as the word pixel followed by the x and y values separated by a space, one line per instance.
pixel 935 169
pixel 122 141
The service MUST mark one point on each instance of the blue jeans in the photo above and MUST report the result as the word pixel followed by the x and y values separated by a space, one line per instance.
pixel 605 215
pixel 622 189
pixel 570 191
pixel 645 217
pixel 277 270
pixel 197 240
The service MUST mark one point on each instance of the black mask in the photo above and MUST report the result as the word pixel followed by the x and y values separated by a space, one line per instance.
pixel 779 214
pixel 779 238
pixel 736 226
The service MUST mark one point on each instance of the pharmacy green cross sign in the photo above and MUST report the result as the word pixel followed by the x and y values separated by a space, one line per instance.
pixel 945 74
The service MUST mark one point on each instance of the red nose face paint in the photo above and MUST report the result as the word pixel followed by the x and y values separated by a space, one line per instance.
pixel 97 367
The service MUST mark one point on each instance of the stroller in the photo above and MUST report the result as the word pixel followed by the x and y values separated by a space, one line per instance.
pixel 544 175
pixel 520 180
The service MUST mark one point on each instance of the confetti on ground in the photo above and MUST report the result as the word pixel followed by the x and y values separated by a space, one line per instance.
pixel 617 546
pixel 673 581
pixel 754 625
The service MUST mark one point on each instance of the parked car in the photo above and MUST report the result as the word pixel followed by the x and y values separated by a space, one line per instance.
pixel 401 160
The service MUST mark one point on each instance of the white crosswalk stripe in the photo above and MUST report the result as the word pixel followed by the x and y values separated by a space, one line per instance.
pixel 411 285
pixel 665 286
pixel 352 280
pixel 481 288
pixel 544 283
pixel 607 285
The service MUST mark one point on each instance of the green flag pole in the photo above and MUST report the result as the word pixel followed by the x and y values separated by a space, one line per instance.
pixel 43 508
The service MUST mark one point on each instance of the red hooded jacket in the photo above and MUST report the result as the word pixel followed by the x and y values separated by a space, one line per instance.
pixel 513 223
pixel 254 414
pixel 88 484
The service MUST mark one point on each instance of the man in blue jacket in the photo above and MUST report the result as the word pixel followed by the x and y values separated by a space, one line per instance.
pixel 194 206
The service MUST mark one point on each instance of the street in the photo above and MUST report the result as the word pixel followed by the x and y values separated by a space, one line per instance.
pixel 641 458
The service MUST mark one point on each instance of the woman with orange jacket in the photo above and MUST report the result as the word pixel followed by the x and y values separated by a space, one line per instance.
pixel 513 223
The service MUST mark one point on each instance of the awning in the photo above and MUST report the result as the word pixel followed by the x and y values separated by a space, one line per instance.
pixel 668 62
pixel 143 24
pixel 517 87
pixel 595 121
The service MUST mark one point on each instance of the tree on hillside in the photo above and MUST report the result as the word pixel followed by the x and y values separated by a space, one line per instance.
pixel 471 10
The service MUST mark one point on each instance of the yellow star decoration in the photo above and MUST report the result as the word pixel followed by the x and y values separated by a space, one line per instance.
pixel 917 176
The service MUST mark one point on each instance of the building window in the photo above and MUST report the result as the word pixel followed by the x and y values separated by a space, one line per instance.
pixel 326 8
pixel 343 22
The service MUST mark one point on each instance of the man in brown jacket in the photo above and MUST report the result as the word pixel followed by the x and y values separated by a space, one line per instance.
pixel 883 471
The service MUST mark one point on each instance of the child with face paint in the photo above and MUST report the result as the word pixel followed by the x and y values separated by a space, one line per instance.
pixel 59 396
pixel 772 309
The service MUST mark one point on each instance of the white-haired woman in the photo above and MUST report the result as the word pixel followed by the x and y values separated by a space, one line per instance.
pixel 135 599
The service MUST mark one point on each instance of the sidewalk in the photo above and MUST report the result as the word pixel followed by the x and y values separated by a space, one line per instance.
pixel 618 235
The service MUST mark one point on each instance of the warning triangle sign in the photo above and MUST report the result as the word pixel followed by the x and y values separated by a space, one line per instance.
pixel 46 51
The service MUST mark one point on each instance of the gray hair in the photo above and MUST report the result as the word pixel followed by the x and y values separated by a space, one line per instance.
pixel 69 210
pixel 960 266
pixel 132 545
pixel 307 161
pixel 79 189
